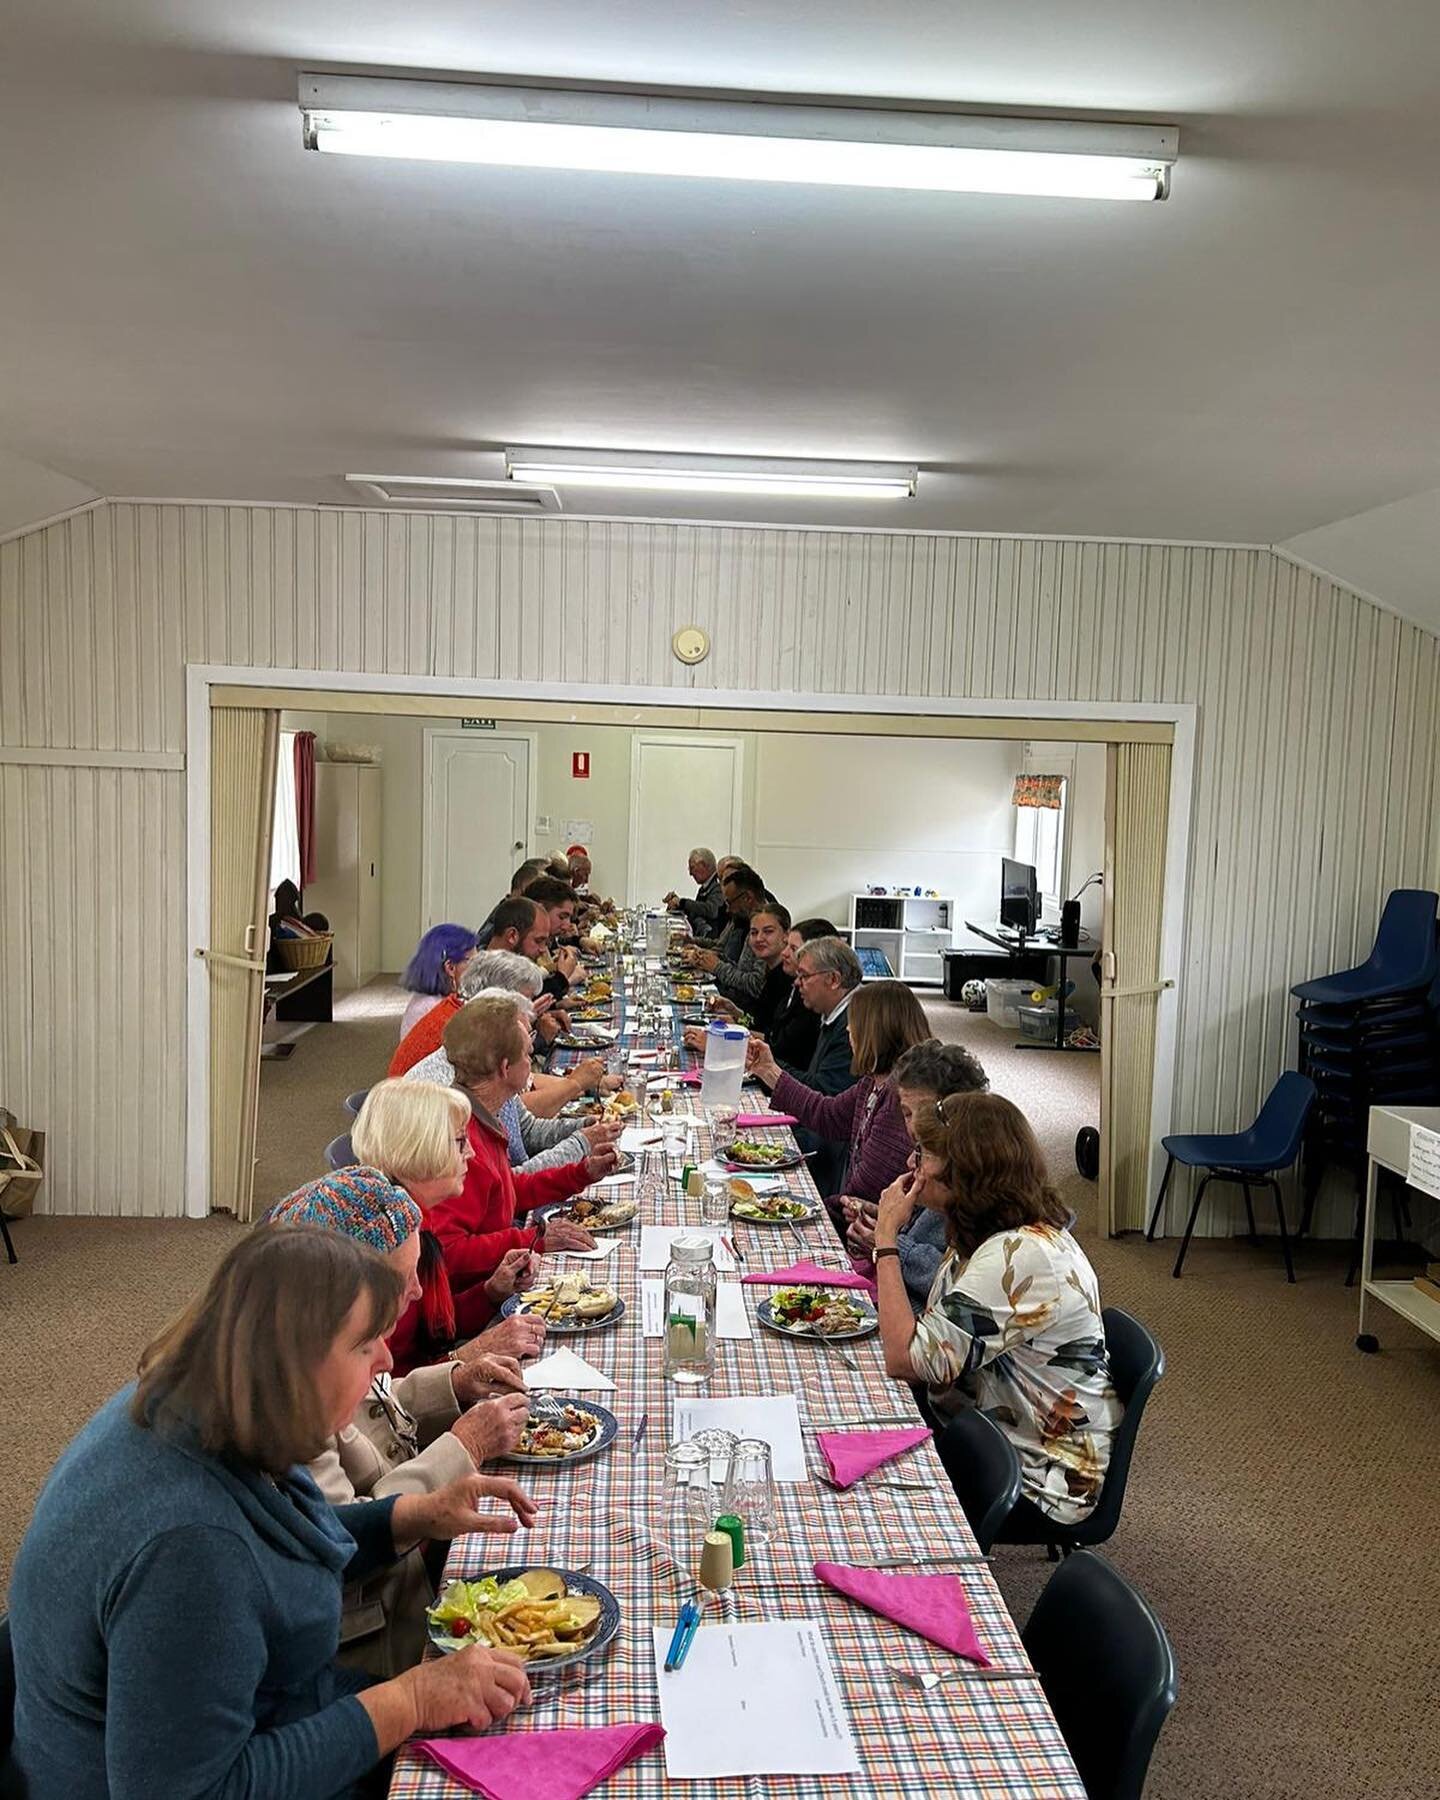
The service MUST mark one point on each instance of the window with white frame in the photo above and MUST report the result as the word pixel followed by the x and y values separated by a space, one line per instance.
pixel 285 834
pixel 1040 841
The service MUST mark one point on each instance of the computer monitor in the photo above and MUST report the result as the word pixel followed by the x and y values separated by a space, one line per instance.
pixel 1019 896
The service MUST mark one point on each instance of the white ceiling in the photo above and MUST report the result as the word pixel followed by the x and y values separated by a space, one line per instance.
pixel 190 305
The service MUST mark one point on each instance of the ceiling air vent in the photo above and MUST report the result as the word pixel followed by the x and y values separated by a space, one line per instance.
pixel 456 494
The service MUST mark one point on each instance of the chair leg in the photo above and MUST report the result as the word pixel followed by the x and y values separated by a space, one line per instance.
pixel 1249 1211
pixel 1274 1187
pixel 5 1233
pixel 1189 1227
pixel 1160 1199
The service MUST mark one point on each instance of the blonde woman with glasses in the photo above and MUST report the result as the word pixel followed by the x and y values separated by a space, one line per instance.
pixel 419 1136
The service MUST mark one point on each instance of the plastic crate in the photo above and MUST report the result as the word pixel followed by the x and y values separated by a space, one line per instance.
pixel 1038 1022
pixel 1003 1000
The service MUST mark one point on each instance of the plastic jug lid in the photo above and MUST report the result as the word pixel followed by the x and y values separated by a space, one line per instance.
pixel 723 1028
pixel 695 1249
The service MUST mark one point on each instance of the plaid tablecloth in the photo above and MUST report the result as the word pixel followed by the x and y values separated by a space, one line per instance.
pixel 987 1740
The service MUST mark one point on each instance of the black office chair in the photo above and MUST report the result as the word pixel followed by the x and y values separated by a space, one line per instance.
pixel 7 1689
pixel 1107 1669
pixel 338 1153
pixel 984 1471
pixel 1136 1363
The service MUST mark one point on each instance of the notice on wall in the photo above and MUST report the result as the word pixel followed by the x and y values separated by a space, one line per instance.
pixel 577 831
pixel 1424 1169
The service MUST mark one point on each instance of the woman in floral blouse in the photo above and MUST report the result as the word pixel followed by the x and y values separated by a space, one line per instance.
pixel 1013 1323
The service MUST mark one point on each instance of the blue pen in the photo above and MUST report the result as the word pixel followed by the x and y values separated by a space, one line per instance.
pixel 688 1639
pixel 689 1616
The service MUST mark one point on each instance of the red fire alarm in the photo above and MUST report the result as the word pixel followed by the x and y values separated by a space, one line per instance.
pixel 580 765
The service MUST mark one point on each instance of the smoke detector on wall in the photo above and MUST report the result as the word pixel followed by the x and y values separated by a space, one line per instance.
pixel 454 494
pixel 691 644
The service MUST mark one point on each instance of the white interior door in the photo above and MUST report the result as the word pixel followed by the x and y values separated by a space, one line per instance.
pixel 685 792
pixel 477 822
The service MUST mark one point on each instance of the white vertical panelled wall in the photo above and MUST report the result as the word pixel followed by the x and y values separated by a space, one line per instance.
pixel 1315 772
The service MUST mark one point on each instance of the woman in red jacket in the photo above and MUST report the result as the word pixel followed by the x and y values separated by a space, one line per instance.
pixel 489 1048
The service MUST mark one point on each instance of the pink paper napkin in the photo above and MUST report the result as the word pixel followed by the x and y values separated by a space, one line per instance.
pixel 808 1274
pixel 852 1454
pixel 932 1605
pixel 750 1121
pixel 691 1077
pixel 561 1765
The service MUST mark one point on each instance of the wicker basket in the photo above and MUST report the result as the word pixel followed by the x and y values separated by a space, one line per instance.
pixel 304 953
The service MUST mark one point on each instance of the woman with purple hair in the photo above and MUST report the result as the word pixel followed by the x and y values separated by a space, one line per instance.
pixel 435 969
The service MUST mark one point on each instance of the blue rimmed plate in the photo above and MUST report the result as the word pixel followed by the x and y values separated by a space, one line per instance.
pixel 604 1632
pixel 607 1428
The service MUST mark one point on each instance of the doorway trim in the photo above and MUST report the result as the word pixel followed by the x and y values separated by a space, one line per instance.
pixel 674 706
pixel 640 738
pixel 427 750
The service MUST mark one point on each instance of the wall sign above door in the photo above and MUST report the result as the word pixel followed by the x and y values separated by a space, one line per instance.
pixel 477 724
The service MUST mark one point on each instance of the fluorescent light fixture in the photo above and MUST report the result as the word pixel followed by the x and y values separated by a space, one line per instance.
pixel 641 469
pixel 735 140
pixel 456 493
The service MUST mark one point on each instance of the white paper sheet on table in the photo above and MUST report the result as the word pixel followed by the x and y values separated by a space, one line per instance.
pixel 773 1417
pixel 605 1246
pixel 655 1245
pixel 731 1318
pixel 640 1137
pixel 753 1700
pixel 563 1369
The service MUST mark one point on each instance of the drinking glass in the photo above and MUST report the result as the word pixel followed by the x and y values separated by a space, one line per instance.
pixel 722 1128
pixel 686 1504
pixel 750 1491
pixel 718 1447
pixel 637 1081
pixel 715 1203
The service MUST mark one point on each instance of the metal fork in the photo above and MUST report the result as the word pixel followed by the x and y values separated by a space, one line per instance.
pixel 547 1407
pixel 928 1679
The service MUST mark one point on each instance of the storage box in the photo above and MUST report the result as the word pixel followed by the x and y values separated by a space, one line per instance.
pixel 1003 1000
pixel 1038 1022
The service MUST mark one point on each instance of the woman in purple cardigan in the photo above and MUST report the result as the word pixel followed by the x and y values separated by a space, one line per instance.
pixel 885 1020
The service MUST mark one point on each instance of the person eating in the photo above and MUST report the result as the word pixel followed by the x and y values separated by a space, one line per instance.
pixel 769 928
pixel 868 1144
pixel 175 1605
pixel 556 899
pixel 476 1226
pixel 1013 1322
pixel 737 973
pixel 410 1436
pixel 707 909
pixel 519 881
pixel 434 971
pixel 418 1136
pixel 924 1075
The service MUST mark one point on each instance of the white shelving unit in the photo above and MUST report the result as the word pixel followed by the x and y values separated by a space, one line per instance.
pixel 913 931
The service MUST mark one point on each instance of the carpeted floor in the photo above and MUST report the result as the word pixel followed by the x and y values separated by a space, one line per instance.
pixel 1280 1515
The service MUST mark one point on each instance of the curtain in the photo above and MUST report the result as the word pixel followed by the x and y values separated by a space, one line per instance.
pixel 305 804
pixel 1039 790
pixel 244 746
pixel 285 836
pixel 1136 817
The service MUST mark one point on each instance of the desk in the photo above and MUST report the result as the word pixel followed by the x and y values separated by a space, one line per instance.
pixel 1387 1146
pixel 970 1736
pixel 1021 946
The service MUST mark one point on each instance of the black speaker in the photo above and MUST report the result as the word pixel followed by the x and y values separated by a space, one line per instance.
pixel 1070 924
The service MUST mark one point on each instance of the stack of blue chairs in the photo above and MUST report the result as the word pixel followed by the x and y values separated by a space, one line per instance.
pixel 1370 1036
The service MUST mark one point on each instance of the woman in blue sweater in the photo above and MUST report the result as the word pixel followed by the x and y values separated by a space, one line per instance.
pixel 175 1607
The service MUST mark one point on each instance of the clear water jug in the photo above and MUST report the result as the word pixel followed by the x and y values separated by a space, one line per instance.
pixel 657 936
pixel 724 1069
pixel 690 1310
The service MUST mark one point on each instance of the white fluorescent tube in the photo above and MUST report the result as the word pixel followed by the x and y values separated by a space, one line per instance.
pixel 756 140
pixel 698 475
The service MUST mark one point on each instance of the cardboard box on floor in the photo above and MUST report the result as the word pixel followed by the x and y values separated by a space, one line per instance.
pixel 22 1169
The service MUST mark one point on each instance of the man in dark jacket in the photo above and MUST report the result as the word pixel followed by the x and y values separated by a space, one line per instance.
pixel 827 975
pixel 707 909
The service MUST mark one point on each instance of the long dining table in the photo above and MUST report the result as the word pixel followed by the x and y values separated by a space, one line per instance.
pixel 987 1736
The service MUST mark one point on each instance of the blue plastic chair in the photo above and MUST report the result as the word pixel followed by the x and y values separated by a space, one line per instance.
pixel 338 1154
pixel 1403 960
pixel 1249 1158
pixel 353 1102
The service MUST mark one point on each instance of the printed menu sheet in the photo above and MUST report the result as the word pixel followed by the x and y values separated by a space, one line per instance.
pixel 774 1418
pixel 753 1700
pixel 1424 1170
